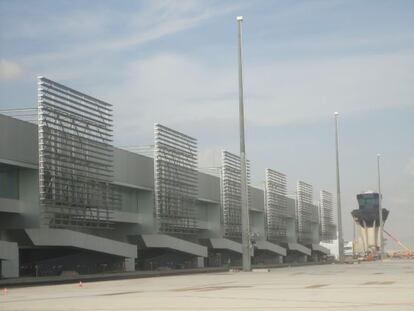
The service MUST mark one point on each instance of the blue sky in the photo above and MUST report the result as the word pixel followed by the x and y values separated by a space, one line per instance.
pixel 174 62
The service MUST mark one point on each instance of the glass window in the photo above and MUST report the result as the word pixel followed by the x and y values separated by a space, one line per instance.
pixel 9 181
pixel 368 201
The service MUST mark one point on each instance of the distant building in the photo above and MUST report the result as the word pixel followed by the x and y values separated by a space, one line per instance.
pixel 367 219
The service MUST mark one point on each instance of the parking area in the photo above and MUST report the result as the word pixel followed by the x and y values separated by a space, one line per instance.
pixel 367 286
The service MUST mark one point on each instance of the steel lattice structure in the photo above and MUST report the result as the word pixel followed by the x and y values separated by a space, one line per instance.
pixel 305 211
pixel 231 195
pixel 276 206
pixel 176 190
pixel 75 158
pixel 328 227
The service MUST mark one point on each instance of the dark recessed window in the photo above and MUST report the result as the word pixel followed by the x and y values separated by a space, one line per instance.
pixel 9 181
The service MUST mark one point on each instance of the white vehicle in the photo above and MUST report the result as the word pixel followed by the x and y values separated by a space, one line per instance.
pixel 348 249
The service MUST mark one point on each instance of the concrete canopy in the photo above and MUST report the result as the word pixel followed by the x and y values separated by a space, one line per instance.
pixel 265 245
pixel 220 243
pixel 166 241
pixel 321 249
pixel 64 237
pixel 299 248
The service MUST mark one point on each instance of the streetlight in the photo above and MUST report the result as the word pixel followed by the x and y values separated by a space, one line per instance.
pixel 243 173
pixel 338 195
pixel 381 228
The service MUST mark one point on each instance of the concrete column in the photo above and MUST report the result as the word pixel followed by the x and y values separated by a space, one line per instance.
pixel 200 262
pixel 302 258
pixel 364 245
pixel 9 255
pixel 129 264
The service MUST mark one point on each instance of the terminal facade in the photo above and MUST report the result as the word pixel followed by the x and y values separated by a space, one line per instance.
pixel 71 201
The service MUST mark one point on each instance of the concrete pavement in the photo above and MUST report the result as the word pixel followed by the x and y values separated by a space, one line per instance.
pixel 367 286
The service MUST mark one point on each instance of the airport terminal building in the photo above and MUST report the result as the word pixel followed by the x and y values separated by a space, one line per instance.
pixel 71 201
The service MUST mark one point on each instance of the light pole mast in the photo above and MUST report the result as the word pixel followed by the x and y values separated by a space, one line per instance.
pixel 338 195
pixel 381 222
pixel 243 170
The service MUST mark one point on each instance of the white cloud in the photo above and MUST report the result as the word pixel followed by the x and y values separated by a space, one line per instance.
pixel 157 20
pixel 9 70
pixel 152 92
pixel 180 90
pixel 163 18
pixel 77 24
pixel 283 92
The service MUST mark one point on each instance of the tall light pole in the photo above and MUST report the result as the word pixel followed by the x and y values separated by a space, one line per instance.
pixel 381 222
pixel 338 195
pixel 243 170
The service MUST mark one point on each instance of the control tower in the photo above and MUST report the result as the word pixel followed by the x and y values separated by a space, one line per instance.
pixel 367 219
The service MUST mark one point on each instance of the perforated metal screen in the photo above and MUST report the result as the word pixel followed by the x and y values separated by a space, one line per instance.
pixel 231 194
pixel 305 211
pixel 175 157
pixel 75 158
pixel 327 225
pixel 276 206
